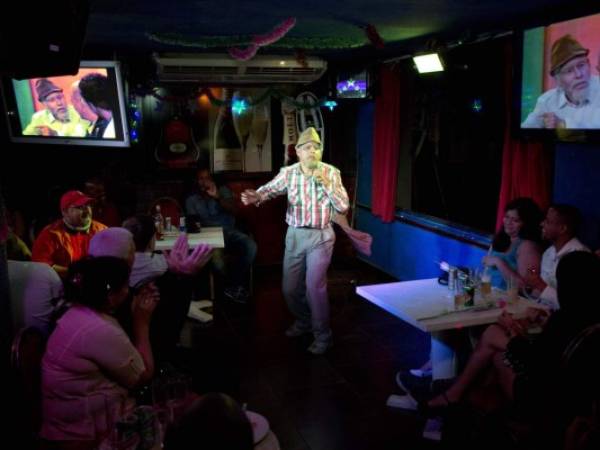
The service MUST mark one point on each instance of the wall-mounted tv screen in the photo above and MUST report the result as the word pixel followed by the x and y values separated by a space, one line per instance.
pixel 83 109
pixel 352 84
pixel 559 86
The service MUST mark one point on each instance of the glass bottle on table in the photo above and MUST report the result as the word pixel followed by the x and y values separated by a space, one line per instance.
pixel 159 223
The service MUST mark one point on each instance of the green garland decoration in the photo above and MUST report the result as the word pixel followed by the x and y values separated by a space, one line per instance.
pixel 288 42
pixel 214 101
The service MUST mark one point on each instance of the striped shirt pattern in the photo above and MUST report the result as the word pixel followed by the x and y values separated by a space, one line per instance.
pixel 309 203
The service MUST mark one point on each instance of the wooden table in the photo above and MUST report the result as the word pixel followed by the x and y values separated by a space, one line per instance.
pixel 208 235
pixel 429 306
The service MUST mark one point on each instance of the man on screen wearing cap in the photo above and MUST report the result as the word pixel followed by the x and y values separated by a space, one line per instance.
pixel 315 193
pixel 66 240
pixel 58 118
pixel 575 101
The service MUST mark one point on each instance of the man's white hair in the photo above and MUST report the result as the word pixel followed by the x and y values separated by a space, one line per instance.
pixel 114 241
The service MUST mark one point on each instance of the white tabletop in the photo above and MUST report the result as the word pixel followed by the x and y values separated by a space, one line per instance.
pixel 208 235
pixel 429 306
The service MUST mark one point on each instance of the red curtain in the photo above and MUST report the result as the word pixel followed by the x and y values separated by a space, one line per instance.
pixel 386 145
pixel 526 166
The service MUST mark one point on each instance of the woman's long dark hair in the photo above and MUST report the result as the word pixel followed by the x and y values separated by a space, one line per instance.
pixel 530 214
pixel 91 279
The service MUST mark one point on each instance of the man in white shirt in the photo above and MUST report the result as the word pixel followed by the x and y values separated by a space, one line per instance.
pixel 559 227
pixel 575 101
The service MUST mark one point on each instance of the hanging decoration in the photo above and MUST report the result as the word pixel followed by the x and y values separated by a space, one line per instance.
pixel 241 103
pixel 262 40
pixel 374 36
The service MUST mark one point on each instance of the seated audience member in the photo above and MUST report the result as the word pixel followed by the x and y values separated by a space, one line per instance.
pixel 215 422
pixel 559 228
pixel 515 248
pixel 170 272
pixel 114 241
pixel 515 252
pixel 214 205
pixel 529 371
pixel 103 210
pixel 67 239
pixel 16 249
pixel 35 292
pixel 90 363
pixel 58 118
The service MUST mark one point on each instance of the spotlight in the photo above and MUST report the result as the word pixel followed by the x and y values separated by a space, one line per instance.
pixel 427 63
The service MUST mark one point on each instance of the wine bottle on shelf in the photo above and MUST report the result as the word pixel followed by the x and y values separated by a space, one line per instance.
pixel 227 151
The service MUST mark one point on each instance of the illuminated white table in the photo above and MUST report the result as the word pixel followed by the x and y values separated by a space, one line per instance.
pixel 429 306
pixel 208 235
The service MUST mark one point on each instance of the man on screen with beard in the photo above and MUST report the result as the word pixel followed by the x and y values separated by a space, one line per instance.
pixel 58 118
pixel 575 101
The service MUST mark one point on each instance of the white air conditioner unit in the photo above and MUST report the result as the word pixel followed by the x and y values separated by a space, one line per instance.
pixel 222 69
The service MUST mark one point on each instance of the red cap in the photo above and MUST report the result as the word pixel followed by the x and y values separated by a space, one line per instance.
pixel 74 198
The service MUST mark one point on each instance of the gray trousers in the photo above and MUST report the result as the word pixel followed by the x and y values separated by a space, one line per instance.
pixel 307 257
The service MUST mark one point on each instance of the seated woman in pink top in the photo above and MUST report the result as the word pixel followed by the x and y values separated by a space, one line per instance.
pixel 90 363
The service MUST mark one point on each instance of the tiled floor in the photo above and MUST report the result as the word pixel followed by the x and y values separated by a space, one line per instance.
pixel 335 401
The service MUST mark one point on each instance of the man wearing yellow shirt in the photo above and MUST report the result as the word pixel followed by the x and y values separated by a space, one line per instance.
pixel 59 118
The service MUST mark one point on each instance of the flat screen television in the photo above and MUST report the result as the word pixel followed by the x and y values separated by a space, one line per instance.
pixel 559 86
pixel 83 109
pixel 352 84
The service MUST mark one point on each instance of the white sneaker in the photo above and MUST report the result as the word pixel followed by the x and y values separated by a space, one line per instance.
pixel 196 313
pixel 296 330
pixel 433 429
pixel 319 347
pixel 406 402
pixel 421 373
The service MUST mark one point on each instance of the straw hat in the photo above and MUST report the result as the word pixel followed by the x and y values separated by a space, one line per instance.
pixel 308 135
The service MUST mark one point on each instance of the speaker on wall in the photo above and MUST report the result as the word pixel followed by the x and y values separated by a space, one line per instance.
pixel 42 38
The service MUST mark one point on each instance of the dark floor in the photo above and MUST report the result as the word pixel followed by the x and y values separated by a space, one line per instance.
pixel 335 401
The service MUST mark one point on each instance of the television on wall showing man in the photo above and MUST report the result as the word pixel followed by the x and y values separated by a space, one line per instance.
pixel 83 109
pixel 560 86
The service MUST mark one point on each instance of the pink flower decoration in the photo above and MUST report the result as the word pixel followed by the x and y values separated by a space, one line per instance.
pixel 262 40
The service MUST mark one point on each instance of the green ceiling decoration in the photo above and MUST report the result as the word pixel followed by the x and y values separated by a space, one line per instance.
pixel 288 42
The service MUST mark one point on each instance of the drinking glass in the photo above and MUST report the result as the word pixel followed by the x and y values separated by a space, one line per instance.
pixel 512 290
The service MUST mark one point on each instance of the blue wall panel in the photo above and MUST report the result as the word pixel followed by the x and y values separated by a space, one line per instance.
pixel 409 252
pixel 364 141
pixel 577 182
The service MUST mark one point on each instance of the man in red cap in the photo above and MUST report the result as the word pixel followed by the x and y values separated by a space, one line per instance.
pixel 66 240
pixel 575 101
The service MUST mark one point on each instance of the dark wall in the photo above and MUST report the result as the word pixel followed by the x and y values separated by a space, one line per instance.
pixel 576 181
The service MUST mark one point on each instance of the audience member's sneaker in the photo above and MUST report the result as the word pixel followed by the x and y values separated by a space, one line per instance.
pixel 319 347
pixel 420 373
pixel 297 330
pixel 418 388
pixel 405 402
pixel 237 293
pixel 433 429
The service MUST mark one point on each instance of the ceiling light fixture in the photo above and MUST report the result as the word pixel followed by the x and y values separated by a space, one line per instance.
pixel 428 63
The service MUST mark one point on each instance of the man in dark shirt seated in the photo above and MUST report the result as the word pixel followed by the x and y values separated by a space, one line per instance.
pixel 215 207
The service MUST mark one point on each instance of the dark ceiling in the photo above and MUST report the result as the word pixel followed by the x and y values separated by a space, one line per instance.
pixel 322 27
